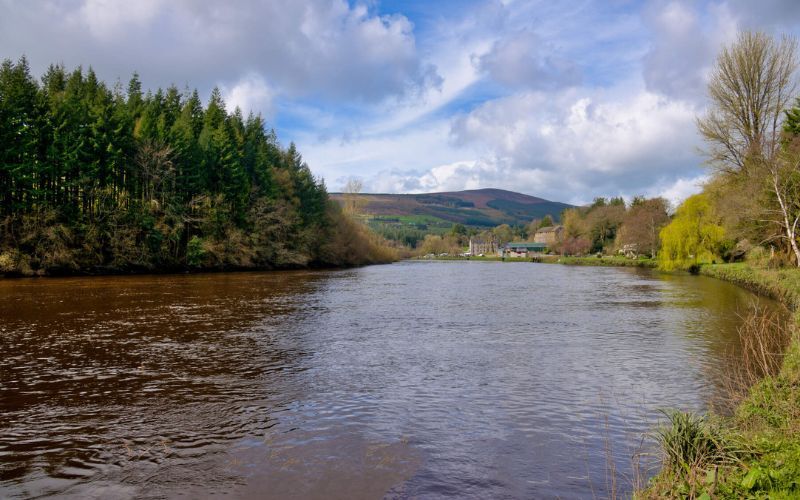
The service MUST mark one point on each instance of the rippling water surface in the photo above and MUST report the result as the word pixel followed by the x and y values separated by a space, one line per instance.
pixel 419 379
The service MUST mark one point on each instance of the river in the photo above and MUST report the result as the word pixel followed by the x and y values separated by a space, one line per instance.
pixel 417 379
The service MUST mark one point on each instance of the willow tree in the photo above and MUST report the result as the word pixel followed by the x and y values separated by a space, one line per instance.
pixel 693 237
pixel 750 88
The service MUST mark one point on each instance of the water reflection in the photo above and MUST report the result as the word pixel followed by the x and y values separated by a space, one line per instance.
pixel 416 379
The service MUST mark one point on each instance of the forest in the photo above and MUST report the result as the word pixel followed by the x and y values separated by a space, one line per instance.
pixel 111 179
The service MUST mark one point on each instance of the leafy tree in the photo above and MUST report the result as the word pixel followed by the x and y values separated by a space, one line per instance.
pixel 504 234
pixel 750 87
pixel 603 222
pixel 694 236
pixel 642 224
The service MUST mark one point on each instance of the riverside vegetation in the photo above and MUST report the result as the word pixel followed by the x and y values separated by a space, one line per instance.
pixel 97 179
pixel 749 210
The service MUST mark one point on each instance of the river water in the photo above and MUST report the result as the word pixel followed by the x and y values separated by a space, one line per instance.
pixel 417 379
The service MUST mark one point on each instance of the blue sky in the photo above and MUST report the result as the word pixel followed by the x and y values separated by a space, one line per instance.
pixel 566 100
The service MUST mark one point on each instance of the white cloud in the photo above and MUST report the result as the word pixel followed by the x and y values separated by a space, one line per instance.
pixel 105 18
pixel 572 146
pixel 680 189
pixel 250 93
pixel 320 49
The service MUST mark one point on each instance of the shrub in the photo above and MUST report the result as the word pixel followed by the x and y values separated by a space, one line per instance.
pixel 691 443
pixel 195 253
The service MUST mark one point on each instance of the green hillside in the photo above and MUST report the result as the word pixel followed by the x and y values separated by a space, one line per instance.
pixel 478 208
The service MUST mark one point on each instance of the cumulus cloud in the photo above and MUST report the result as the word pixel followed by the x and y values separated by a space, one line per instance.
pixel 105 18
pixel 573 146
pixel 249 93
pixel 678 190
pixel 323 49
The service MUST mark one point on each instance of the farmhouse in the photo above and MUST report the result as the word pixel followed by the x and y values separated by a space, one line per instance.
pixel 523 249
pixel 548 235
pixel 482 247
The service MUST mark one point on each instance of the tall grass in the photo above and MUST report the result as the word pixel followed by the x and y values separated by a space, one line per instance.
pixel 693 449
pixel 764 337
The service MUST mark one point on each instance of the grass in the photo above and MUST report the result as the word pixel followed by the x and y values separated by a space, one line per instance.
pixel 610 261
pixel 411 219
pixel 764 430
pixel 606 260
pixel 694 448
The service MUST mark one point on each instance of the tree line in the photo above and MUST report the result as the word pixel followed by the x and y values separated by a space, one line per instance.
pixel 750 207
pixel 113 178
pixel 607 225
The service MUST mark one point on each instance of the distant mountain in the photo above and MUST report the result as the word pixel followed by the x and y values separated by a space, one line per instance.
pixel 477 207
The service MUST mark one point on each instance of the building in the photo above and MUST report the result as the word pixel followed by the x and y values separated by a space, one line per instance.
pixel 524 249
pixel 549 235
pixel 482 247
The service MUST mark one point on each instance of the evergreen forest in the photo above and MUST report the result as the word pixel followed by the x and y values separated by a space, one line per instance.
pixel 101 179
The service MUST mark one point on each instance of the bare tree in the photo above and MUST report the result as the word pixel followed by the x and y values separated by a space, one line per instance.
pixel 784 176
pixel 750 87
pixel 642 224
pixel 352 201
pixel 154 160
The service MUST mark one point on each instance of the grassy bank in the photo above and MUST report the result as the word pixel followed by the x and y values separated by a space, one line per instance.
pixel 610 261
pixel 755 453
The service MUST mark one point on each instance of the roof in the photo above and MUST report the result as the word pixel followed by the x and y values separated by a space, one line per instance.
pixel 526 245
pixel 549 229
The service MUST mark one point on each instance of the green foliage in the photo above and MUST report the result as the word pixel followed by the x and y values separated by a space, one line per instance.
pixel 458 230
pixel 690 441
pixel 195 252
pixel 693 237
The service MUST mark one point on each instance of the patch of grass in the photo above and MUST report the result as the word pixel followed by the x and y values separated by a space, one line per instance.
pixel 606 260
pixel 765 427
pixel 694 449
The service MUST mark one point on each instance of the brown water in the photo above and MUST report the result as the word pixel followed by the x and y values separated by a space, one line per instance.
pixel 419 379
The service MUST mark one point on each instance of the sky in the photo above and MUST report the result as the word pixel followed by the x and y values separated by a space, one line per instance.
pixel 565 100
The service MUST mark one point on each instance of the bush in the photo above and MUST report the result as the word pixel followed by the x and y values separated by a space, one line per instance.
pixel 350 243
pixel 195 253
pixel 689 442
pixel 693 449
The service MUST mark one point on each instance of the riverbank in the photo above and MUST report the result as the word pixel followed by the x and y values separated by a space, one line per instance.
pixel 608 261
pixel 761 440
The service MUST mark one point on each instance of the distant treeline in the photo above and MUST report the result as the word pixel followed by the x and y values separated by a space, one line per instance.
pixel 93 177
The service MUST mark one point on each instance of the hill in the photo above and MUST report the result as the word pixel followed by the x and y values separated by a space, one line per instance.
pixel 478 207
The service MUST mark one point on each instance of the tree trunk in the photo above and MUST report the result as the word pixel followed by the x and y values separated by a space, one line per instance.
pixel 791 229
